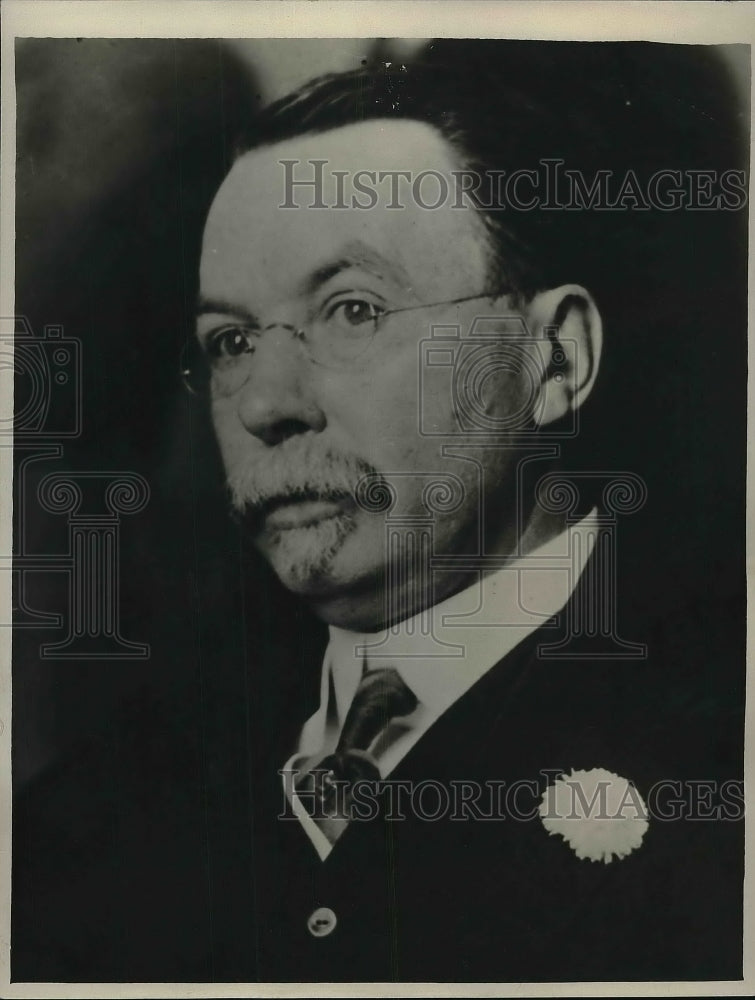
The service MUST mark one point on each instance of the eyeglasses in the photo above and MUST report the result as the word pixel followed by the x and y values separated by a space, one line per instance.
pixel 337 336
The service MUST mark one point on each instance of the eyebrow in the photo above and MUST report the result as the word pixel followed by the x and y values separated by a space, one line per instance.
pixel 223 307
pixel 352 254
pixel 356 254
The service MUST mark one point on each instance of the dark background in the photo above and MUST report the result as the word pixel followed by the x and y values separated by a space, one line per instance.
pixel 121 145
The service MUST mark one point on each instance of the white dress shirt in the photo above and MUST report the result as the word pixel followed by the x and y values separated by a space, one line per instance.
pixel 439 653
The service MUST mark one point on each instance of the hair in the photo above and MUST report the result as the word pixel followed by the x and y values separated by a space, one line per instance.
pixel 491 126
pixel 509 105
pixel 662 280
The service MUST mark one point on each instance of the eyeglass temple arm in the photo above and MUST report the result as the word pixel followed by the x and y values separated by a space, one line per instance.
pixel 446 302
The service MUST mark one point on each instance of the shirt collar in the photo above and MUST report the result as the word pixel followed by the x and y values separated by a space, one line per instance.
pixel 440 654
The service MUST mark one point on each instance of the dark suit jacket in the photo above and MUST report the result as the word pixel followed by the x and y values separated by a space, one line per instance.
pixel 153 857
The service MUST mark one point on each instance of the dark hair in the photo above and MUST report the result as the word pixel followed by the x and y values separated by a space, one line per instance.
pixel 662 280
pixel 490 125
pixel 509 105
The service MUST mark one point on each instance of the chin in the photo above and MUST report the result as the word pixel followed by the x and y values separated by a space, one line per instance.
pixel 307 559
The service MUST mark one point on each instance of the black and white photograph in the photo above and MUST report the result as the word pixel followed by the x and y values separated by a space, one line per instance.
pixel 375 485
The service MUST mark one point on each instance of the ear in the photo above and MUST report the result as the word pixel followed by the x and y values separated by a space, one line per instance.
pixel 567 325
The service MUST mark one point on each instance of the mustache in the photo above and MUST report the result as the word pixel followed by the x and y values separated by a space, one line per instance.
pixel 296 469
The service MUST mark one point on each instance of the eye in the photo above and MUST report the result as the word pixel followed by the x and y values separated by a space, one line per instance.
pixel 228 342
pixel 351 313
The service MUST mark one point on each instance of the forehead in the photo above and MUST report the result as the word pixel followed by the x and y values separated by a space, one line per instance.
pixel 252 244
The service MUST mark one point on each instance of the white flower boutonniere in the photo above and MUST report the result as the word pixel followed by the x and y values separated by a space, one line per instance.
pixel 598 814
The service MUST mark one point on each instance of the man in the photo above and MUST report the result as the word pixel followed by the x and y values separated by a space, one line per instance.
pixel 311 323
pixel 392 387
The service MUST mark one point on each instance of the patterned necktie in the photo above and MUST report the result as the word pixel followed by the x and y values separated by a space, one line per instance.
pixel 381 697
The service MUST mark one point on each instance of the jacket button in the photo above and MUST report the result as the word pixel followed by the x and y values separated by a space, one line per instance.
pixel 322 922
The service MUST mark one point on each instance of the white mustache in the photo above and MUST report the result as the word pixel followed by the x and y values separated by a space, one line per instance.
pixel 296 469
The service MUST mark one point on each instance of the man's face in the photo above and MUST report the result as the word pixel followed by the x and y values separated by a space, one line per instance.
pixel 297 436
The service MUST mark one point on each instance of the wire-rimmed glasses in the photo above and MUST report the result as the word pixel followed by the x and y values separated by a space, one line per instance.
pixel 337 336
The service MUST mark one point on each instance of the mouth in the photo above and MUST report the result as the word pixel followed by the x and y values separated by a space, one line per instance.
pixel 303 511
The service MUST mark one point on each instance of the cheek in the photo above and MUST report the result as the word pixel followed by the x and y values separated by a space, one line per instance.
pixel 377 411
pixel 233 440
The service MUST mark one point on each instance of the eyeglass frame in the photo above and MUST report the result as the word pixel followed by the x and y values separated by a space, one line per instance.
pixel 300 334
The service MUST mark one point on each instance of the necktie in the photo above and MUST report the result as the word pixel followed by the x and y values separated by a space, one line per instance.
pixel 381 697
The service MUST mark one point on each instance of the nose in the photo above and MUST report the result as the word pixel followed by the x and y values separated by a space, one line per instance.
pixel 278 400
